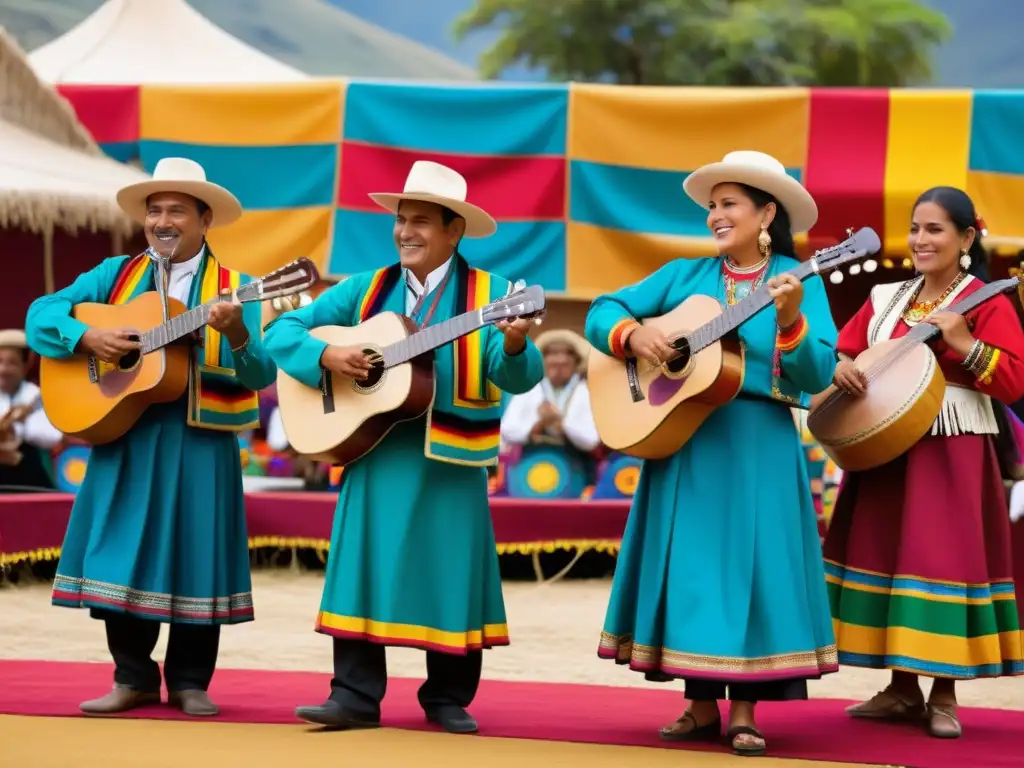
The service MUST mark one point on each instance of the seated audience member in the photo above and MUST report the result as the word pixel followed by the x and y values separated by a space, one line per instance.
pixel 556 411
pixel 26 436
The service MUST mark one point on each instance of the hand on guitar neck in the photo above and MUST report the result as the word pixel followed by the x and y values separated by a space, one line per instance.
pixel 350 362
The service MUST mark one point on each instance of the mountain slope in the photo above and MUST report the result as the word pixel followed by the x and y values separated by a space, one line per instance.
pixel 311 35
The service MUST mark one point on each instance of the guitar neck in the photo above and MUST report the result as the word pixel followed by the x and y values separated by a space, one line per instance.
pixel 177 327
pixel 925 331
pixel 432 337
pixel 737 314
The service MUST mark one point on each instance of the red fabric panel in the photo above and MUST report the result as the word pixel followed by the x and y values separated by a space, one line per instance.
pixel 110 112
pixel 509 188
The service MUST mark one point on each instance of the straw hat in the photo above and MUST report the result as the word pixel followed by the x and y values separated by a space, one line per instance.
pixel 179 174
pixel 761 171
pixel 15 338
pixel 435 183
pixel 568 338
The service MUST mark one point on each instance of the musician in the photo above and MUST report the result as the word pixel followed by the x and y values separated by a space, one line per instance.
pixel 157 532
pixel 26 435
pixel 556 411
pixel 413 559
pixel 719 580
pixel 918 551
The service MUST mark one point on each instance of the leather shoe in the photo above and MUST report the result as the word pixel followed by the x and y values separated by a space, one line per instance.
pixel 452 718
pixel 195 703
pixel 120 699
pixel 333 715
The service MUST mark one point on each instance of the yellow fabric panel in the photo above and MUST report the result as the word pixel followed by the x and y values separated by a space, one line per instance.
pixel 262 241
pixel 680 129
pixel 243 115
pixel 928 145
pixel 997 198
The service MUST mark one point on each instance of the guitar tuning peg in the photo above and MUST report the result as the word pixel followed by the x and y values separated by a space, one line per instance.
pixel 836 277
pixel 870 265
pixel 854 269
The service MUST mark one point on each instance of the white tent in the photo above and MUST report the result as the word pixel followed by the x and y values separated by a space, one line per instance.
pixel 128 42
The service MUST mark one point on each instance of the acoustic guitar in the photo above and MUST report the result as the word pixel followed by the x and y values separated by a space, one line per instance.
pixel 345 419
pixel 10 444
pixel 904 395
pixel 652 411
pixel 99 402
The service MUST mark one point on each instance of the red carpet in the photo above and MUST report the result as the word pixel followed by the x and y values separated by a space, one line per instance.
pixel 815 730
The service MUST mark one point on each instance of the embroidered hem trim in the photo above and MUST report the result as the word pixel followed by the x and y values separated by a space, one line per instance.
pixel 85 593
pixel 412 635
pixel 647 658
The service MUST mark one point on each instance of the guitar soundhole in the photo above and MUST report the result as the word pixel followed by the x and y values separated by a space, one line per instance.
pixel 679 364
pixel 375 377
pixel 129 361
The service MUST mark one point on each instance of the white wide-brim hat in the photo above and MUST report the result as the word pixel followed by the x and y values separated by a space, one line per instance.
pixel 187 177
pixel 432 182
pixel 761 171
pixel 570 339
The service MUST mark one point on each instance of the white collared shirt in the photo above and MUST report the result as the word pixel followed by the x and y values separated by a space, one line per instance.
pixel 179 283
pixel 414 289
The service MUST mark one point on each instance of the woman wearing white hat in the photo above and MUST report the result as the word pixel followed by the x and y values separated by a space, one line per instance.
pixel 720 579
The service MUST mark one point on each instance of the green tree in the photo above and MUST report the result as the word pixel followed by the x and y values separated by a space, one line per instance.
pixel 713 42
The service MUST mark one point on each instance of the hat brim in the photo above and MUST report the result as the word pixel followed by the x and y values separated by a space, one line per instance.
pixel 478 222
pixel 570 339
pixel 223 205
pixel 802 210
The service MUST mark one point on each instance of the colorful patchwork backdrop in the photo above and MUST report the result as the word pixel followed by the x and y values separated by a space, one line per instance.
pixel 584 180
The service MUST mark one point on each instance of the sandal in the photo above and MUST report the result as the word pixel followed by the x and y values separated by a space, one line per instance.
pixel 708 732
pixel 746 749
pixel 943 722
pixel 888 705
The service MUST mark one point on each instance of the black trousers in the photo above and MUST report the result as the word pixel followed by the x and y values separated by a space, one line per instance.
pixel 778 690
pixel 191 653
pixel 361 677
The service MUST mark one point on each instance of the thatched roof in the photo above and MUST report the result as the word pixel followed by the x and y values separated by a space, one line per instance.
pixel 52 172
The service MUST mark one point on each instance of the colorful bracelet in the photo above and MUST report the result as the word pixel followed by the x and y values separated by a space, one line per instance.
pixel 790 338
pixel 972 357
pixel 619 333
pixel 982 361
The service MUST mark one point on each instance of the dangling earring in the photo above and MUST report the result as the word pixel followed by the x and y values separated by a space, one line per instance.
pixel 764 242
pixel 965 261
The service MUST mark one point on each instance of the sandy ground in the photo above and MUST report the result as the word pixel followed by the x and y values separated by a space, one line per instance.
pixel 554 630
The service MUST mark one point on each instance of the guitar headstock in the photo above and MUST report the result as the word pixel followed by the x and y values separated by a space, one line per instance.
pixel 857 245
pixel 292 278
pixel 522 301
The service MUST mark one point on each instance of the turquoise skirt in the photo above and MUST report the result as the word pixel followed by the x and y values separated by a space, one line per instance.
pixel 158 527
pixel 413 560
pixel 720 575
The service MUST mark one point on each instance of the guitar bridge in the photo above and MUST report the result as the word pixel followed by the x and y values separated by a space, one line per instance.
pixel 633 379
pixel 326 391
pixel 94 370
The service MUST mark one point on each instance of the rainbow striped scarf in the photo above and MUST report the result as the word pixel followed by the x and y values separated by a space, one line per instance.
pixel 464 424
pixel 216 399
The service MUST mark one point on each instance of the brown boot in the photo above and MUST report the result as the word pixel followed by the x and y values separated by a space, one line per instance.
pixel 194 703
pixel 120 699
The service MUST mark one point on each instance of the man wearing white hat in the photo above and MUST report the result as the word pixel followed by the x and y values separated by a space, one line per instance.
pixel 413 559
pixel 558 409
pixel 26 435
pixel 157 533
